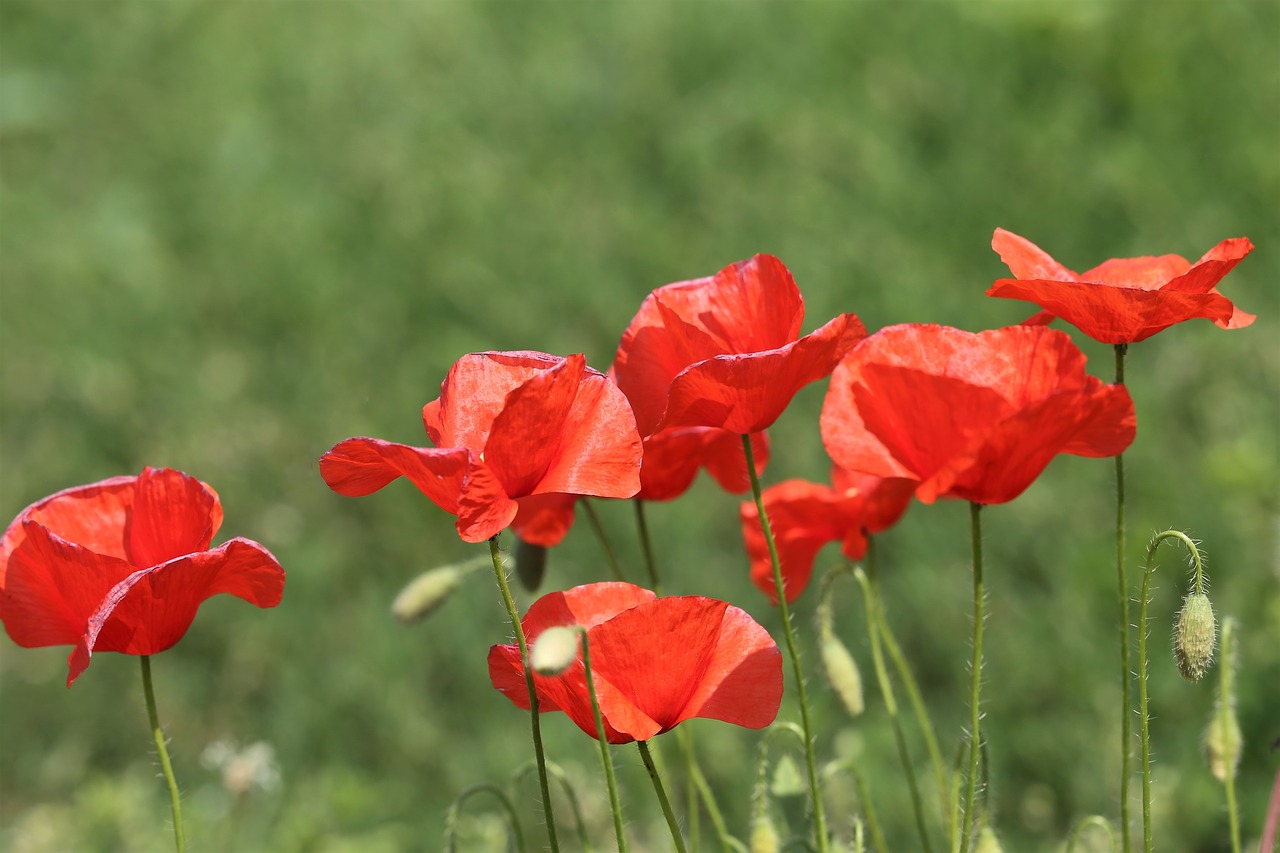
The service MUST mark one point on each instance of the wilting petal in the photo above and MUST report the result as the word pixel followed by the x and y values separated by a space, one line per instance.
pixel 151 610
pixel 1125 300
pixel 173 514
pixel 746 393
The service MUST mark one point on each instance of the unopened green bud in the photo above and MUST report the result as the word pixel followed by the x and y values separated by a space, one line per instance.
pixel 786 779
pixel 764 837
pixel 1194 636
pixel 425 593
pixel 988 842
pixel 554 651
pixel 531 564
pixel 842 673
pixel 1223 743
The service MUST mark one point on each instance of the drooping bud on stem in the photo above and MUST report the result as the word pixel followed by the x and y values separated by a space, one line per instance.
pixel 423 595
pixel 1195 636
pixel 837 661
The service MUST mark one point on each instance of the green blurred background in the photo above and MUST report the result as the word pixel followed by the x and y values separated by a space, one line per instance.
pixel 236 233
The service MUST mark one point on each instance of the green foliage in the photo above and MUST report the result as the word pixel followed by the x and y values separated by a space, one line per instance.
pixel 236 233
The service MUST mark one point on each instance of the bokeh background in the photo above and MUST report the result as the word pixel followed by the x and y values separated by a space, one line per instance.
pixel 235 233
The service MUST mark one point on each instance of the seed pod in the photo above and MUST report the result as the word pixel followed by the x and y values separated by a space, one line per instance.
pixel 842 673
pixel 423 595
pixel 554 651
pixel 1194 636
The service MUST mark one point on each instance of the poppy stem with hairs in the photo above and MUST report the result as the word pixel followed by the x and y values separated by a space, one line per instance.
pixel 614 803
pixel 647 758
pixel 819 815
pixel 501 574
pixel 175 800
pixel 975 681
pixel 1126 698
pixel 1143 711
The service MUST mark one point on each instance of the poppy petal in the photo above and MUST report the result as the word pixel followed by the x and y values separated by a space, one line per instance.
pixel 53 586
pixel 524 437
pixel 474 393
pixel 544 519
pixel 747 393
pixel 804 516
pixel 361 466
pixel 173 514
pixel 1027 260
pixel 93 516
pixel 151 609
pixel 672 458
pixel 742 682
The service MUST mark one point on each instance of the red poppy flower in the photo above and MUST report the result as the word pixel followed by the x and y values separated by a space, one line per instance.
pixel 805 516
pixel 656 662
pixel 725 351
pixel 516 434
pixel 122 566
pixel 1123 300
pixel 672 458
pixel 972 416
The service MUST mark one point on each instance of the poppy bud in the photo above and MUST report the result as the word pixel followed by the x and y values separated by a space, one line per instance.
pixel 764 837
pixel 554 651
pixel 425 593
pixel 786 779
pixel 988 842
pixel 1223 743
pixel 531 564
pixel 1194 636
pixel 842 673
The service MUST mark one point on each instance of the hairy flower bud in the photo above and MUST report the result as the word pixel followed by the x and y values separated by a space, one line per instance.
pixel 1223 743
pixel 988 842
pixel 555 650
pixel 842 673
pixel 424 594
pixel 764 837
pixel 1195 636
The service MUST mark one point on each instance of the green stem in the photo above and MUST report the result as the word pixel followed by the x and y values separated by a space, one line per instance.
pixel 1126 675
pixel 451 817
pixel 819 815
pixel 1226 700
pixel 975 679
pixel 175 800
pixel 1143 715
pixel 614 803
pixel 871 602
pixel 662 796
pixel 646 545
pixel 614 568
pixel 691 786
pixel 536 726
pixel 864 801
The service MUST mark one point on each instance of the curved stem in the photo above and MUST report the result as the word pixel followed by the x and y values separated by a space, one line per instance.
pixel 535 725
pixel 646 545
pixel 975 679
pixel 451 817
pixel 175 800
pixel 605 758
pixel 676 837
pixel 614 568
pixel 871 602
pixel 1126 675
pixel 819 816
pixel 1143 715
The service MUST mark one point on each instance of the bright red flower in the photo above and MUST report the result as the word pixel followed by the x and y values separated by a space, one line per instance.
pixel 971 416
pixel 122 566
pixel 725 351
pixel 516 434
pixel 656 662
pixel 672 458
pixel 805 516
pixel 1123 300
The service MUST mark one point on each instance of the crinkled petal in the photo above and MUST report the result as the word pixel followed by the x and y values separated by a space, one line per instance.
pixel 93 516
pixel 475 391
pixel 151 610
pixel 1027 260
pixel 173 514
pixel 525 437
pixel 747 393
pixel 1142 273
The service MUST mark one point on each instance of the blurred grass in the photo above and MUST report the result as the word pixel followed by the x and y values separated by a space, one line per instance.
pixel 232 234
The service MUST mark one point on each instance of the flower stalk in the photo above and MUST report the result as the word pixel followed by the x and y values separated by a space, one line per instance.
pixel 661 791
pixel 819 816
pixel 1126 676
pixel 175 799
pixel 614 803
pixel 975 680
